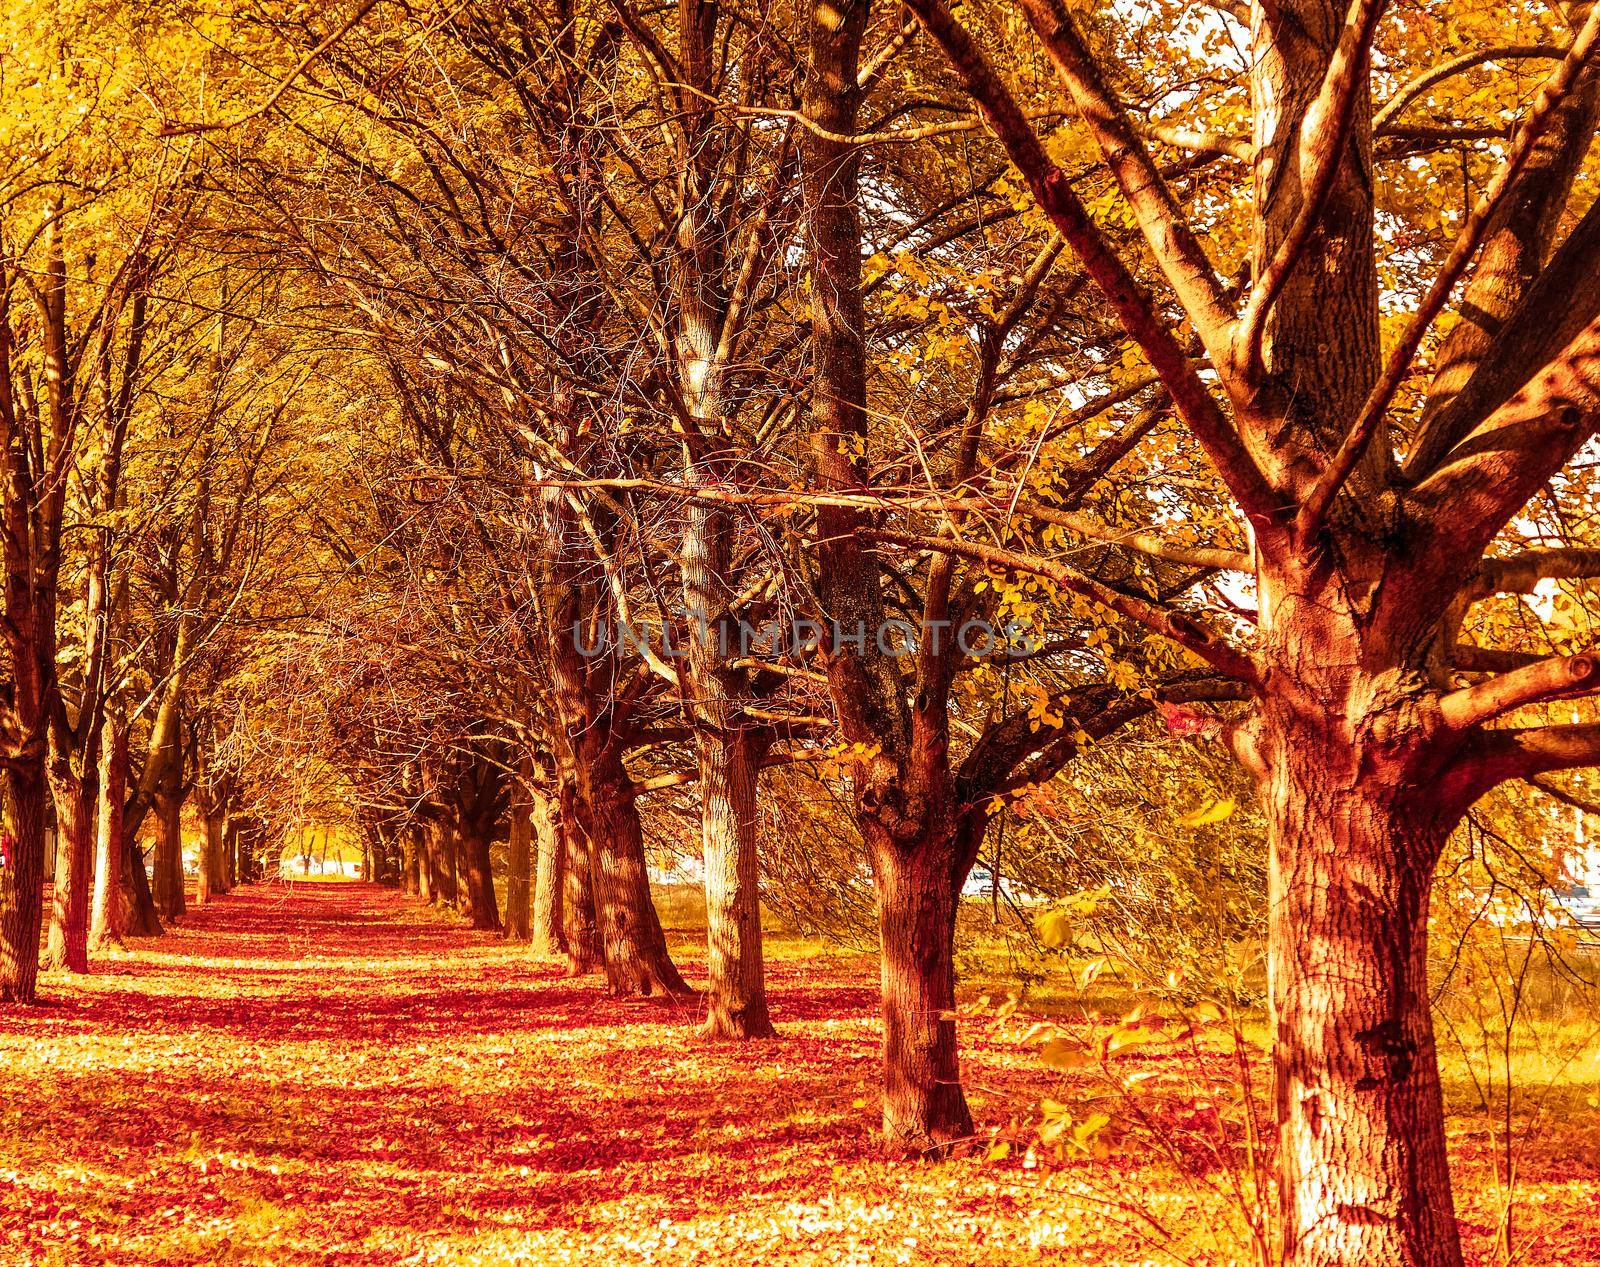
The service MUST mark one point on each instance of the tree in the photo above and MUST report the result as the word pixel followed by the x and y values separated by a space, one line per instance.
pixel 1372 525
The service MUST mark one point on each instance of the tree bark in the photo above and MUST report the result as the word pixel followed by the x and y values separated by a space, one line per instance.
pixel 112 910
pixel 632 943
pixel 918 891
pixel 579 926
pixel 736 1000
pixel 519 866
pixel 410 871
pixel 67 944
pixel 1363 1173
pixel 474 843
pixel 22 880
pixel 168 882
pixel 547 932
pixel 211 883
pixel 427 863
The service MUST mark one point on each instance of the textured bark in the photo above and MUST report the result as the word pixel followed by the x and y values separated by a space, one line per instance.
pixel 632 944
pixel 112 909
pixel 476 857
pixel 67 944
pixel 1335 286
pixel 1363 1171
pixel 167 883
pixel 1361 786
pixel 547 925
pixel 22 882
pixel 918 890
pixel 580 933
pixel 728 748
pixel 736 998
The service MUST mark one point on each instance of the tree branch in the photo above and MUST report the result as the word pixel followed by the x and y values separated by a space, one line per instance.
pixel 1180 628
pixel 1324 134
pixel 1161 219
pixel 186 129
pixel 1414 88
pixel 1132 303
pixel 1562 677
pixel 1520 573
pixel 1551 94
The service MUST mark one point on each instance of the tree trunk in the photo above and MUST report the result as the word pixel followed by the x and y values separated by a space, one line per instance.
pixel 579 926
pixel 1363 1174
pixel 143 918
pixel 112 910
pixel 918 889
pixel 21 881
pixel 230 854
pixel 168 883
pixel 549 880
pixel 736 1002
pixel 211 883
pixel 67 945
pixel 428 863
pixel 518 865
pixel 631 940
pixel 474 847
pixel 411 870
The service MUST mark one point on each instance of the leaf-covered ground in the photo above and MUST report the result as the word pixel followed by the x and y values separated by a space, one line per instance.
pixel 326 1074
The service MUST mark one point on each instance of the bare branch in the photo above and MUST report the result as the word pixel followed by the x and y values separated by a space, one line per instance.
pixel 1562 677
pixel 1134 306
pixel 1520 573
pixel 1160 218
pixel 1551 95
pixel 1181 628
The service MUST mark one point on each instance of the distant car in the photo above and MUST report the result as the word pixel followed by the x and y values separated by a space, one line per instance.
pixel 1582 903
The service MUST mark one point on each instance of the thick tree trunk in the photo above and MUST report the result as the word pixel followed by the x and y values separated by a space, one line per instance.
pixel 112 909
pixel 211 883
pixel 519 865
pixel 579 926
pixel 67 945
pixel 736 1002
pixel 427 863
pixel 230 854
pixel 918 889
pixel 1363 1174
pixel 549 879
pixel 21 882
pixel 454 893
pixel 474 848
pixel 168 882
pixel 631 940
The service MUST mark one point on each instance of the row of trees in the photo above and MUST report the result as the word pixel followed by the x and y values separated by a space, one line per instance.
pixel 587 427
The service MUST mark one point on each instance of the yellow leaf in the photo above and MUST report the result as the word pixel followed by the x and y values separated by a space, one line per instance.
pixel 1209 813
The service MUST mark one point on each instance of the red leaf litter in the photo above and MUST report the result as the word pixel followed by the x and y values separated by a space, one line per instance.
pixel 329 1074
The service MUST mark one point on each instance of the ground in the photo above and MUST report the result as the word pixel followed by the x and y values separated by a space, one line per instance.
pixel 329 1074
